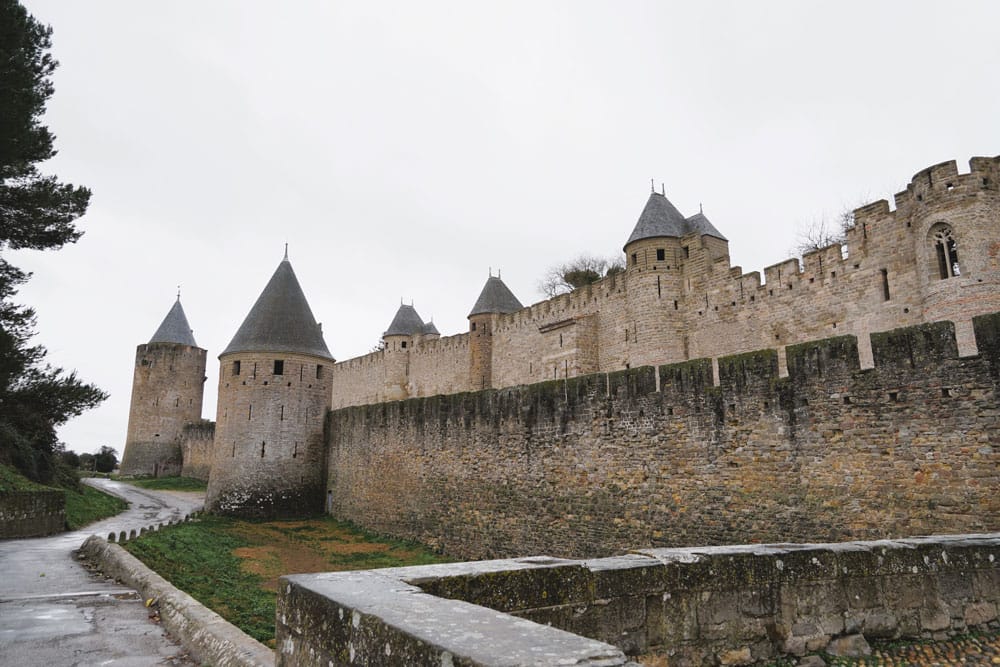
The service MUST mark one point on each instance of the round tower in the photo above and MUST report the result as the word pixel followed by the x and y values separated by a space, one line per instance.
pixel 953 219
pixel 167 389
pixel 274 393
pixel 404 331
pixel 495 298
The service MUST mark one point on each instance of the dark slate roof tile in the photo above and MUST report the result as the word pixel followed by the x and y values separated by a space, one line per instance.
pixel 280 320
pixel 175 328
pixel 406 322
pixel 496 297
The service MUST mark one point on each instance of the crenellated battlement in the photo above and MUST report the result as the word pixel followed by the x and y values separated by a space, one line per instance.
pixel 679 298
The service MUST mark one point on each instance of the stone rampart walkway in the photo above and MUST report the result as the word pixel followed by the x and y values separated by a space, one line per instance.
pixel 55 612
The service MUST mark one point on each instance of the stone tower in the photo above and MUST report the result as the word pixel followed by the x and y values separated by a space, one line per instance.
pixel 495 298
pixel 167 388
pixel 405 330
pixel 670 260
pixel 274 392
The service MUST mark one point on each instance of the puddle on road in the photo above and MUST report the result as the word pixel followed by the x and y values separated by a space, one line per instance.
pixel 45 621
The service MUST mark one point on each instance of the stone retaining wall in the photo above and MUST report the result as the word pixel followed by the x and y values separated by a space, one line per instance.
pixel 708 606
pixel 31 513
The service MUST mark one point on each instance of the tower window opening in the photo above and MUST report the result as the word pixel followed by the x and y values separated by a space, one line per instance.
pixel 177 402
pixel 472 327
pixel 403 345
pixel 234 449
pixel 279 367
pixel 661 254
pixel 295 450
pixel 281 417
pixel 319 371
pixel 249 412
pixel 302 369
pixel 659 292
pixel 236 368
pixel 885 284
pixel 635 259
pixel 687 252
pixel 947 253
pixel 261 449
pixel 560 340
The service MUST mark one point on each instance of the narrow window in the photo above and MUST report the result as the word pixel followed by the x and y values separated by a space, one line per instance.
pixel 947 253
pixel 403 345
pixel 295 450
pixel 234 449
pixel 177 402
pixel 249 412
pixel 281 417
pixel 661 254
pixel 635 259
pixel 675 304
pixel 687 251
pixel 885 285
pixel 261 449
pixel 236 368
pixel 302 369
pixel 560 340
pixel 319 371
pixel 659 292
pixel 473 326
pixel 279 367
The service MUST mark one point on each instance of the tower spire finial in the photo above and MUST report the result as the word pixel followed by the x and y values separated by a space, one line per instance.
pixel 286 252
pixel 178 293
pixel 700 209
pixel 652 186
pixel 663 189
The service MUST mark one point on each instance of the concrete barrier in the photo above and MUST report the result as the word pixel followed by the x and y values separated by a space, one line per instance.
pixel 209 637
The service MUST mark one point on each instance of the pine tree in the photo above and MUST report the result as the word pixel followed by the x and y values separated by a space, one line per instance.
pixel 37 212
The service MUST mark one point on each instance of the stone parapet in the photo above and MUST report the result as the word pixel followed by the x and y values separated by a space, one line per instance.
pixel 699 606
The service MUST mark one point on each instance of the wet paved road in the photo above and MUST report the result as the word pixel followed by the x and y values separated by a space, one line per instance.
pixel 54 612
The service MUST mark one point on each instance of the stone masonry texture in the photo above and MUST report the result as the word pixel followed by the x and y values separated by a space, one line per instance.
pixel 601 463
pixel 167 390
pixel 710 606
pixel 31 513
pixel 693 304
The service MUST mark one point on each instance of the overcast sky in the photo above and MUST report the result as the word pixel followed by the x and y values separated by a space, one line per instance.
pixel 402 149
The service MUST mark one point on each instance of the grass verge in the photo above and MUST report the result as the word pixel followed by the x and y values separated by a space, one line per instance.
pixel 168 483
pixel 89 505
pixel 232 566
pixel 12 480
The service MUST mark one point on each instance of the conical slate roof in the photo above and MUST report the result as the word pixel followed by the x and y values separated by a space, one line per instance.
pixel 431 330
pixel 661 218
pixel 405 323
pixel 280 320
pixel 175 328
pixel 700 224
pixel 496 297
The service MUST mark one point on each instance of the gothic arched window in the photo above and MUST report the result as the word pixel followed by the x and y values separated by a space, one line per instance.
pixel 946 251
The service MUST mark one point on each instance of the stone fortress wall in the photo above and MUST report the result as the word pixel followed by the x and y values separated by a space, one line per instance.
pixel 666 456
pixel 680 299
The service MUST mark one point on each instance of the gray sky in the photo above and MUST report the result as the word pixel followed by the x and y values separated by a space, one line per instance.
pixel 403 148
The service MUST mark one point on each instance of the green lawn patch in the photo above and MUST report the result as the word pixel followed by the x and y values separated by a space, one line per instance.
pixel 232 566
pixel 89 505
pixel 169 483
pixel 12 480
